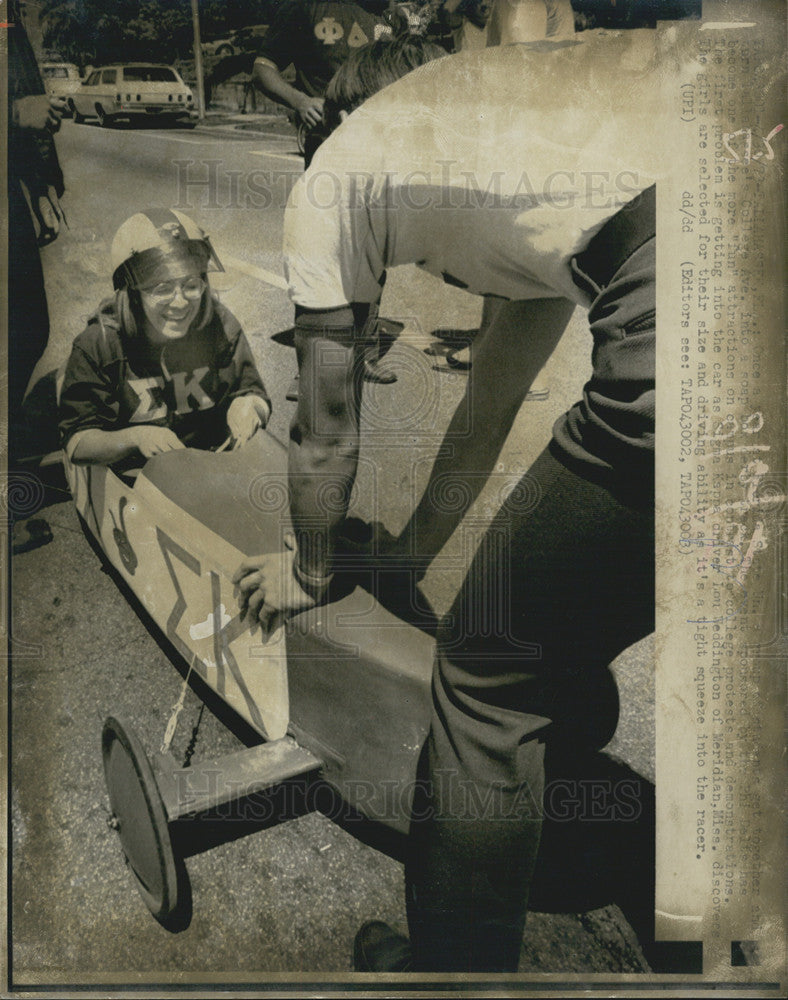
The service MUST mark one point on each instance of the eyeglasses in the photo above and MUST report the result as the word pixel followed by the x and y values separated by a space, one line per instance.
pixel 191 288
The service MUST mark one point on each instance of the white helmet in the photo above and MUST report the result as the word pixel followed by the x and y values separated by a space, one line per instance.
pixel 157 245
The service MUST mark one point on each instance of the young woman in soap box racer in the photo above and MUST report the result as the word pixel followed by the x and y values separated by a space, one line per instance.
pixel 162 364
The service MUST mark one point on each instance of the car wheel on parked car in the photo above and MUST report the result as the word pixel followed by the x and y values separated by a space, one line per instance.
pixel 105 120
pixel 78 118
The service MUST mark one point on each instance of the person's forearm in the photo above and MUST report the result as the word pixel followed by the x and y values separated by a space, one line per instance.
pixel 324 441
pixel 103 447
pixel 270 81
pixel 321 475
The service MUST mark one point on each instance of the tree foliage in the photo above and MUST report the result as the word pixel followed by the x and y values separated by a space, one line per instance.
pixel 103 31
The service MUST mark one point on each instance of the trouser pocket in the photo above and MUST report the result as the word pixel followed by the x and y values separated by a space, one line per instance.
pixel 644 322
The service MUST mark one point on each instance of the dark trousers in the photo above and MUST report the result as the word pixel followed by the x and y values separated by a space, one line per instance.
pixel 28 316
pixel 563 581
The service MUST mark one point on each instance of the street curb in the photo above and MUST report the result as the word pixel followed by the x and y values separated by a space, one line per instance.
pixel 268 126
pixel 229 130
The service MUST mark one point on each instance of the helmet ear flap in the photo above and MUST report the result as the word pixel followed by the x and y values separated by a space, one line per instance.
pixel 196 233
pixel 212 256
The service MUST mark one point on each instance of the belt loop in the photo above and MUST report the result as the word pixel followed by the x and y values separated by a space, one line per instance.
pixel 583 281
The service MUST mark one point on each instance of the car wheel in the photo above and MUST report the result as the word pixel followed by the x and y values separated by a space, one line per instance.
pixel 78 118
pixel 105 120
pixel 225 50
pixel 138 814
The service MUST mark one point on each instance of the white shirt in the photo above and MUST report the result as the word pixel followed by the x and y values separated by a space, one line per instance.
pixel 491 169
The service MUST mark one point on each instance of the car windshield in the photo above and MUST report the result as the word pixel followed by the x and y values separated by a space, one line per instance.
pixel 55 72
pixel 149 74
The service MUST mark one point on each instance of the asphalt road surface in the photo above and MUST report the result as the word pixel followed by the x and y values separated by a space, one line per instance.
pixel 268 900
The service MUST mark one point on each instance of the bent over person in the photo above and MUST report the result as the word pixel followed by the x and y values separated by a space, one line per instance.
pixel 525 173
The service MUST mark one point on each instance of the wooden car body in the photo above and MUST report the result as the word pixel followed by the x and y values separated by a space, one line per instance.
pixel 348 681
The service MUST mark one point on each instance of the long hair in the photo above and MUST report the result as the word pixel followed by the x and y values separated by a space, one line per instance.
pixel 372 67
pixel 131 315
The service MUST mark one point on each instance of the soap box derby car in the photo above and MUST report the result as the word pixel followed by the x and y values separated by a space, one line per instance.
pixel 339 697
pixel 341 693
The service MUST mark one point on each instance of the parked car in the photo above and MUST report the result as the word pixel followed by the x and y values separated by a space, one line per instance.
pixel 248 39
pixel 236 42
pixel 61 79
pixel 219 47
pixel 133 90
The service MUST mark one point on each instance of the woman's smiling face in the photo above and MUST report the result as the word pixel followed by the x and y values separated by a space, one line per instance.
pixel 171 306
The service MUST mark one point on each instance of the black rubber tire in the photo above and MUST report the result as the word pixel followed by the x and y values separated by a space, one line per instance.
pixel 105 120
pixel 139 816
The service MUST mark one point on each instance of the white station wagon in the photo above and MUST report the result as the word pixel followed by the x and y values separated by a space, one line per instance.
pixel 61 79
pixel 133 90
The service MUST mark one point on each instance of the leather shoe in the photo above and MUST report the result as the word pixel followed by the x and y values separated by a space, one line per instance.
pixel 379 948
pixel 372 373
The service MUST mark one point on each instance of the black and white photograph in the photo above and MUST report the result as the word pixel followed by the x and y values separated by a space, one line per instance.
pixel 395 497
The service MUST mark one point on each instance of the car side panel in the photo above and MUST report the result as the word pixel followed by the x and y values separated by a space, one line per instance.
pixel 138 98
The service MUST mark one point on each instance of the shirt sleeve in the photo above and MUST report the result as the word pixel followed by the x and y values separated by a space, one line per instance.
pixel 335 241
pixel 88 398
pixel 285 35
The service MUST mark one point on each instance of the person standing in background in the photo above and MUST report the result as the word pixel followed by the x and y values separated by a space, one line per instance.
pixel 479 23
pixel 34 188
pixel 316 38
pixel 506 22
pixel 472 33
pixel 528 20
pixel 35 182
